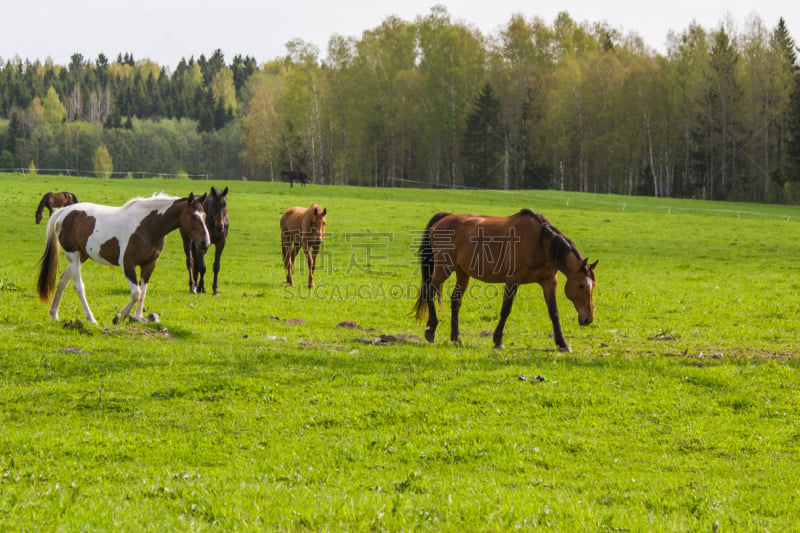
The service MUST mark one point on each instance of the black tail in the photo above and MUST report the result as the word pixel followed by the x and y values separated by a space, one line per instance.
pixel 426 263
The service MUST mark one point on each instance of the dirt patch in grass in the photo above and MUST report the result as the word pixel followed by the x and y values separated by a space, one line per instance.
pixel 390 340
pixel 140 331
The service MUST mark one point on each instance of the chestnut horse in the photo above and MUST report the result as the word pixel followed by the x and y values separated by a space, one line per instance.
pixel 54 199
pixel 522 248
pixel 128 236
pixel 216 208
pixel 302 226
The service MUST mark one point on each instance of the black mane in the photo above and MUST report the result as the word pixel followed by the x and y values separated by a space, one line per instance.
pixel 560 244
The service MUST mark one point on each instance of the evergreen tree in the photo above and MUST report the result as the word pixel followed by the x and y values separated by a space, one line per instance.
pixel 206 118
pixel 14 132
pixel 783 41
pixel 482 146
pixel 242 68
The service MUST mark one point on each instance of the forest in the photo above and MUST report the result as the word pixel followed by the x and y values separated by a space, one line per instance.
pixel 434 103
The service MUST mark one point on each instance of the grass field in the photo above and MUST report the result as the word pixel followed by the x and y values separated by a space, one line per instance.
pixel 257 410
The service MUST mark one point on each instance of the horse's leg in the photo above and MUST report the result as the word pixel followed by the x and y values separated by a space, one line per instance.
pixel 289 252
pixel 189 252
pixel 433 288
pixel 462 281
pixel 200 269
pixel 77 283
pixel 144 279
pixel 130 275
pixel 295 249
pixel 218 247
pixel 311 257
pixel 549 290
pixel 508 300
pixel 63 281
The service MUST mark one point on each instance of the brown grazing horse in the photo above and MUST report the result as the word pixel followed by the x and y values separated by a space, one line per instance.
pixel 216 208
pixel 129 236
pixel 522 248
pixel 54 199
pixel 302 226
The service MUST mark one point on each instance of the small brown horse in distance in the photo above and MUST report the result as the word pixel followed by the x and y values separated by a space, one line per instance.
pixel 522 248
pixel 54 199
pixel 302 226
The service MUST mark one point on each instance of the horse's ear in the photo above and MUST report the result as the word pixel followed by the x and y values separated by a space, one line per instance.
pixel 202 199
pixel 583 264
pixel 593 265
pixel 191 197
pixel 225 192
pixel 324 211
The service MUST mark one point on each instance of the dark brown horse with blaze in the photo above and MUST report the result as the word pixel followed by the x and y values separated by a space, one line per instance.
pixel 54 199
pixel 216 208
pixel 522 248
pixel 302 226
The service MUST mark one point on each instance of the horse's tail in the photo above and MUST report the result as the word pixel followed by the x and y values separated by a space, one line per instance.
pixel 426 262
pixel 48 264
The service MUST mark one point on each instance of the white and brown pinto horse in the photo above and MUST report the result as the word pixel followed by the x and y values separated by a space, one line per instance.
pixel 129 236
pixel 522 248
pixel 302 226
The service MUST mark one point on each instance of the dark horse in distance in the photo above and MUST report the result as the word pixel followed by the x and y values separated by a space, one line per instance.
pixel 522 248
pixel 295 175
pixel 54 199
pixel 216 208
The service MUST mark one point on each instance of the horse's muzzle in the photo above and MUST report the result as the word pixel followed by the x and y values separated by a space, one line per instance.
pixel 585 320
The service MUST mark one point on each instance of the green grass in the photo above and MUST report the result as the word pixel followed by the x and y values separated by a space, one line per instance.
pixel 676 410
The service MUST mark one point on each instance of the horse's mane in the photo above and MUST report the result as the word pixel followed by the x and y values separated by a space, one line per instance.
pixel 155 198
pixel 560 244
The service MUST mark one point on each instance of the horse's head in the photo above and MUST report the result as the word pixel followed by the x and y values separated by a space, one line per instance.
pixel 317 222
pixel 193 221
pixel 579 288
pixel 39 216
pixel 216 207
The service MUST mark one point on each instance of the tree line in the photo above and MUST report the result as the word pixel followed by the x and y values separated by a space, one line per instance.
pixel 435 103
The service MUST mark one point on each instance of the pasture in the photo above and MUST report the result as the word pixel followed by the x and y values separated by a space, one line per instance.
pixel 282 408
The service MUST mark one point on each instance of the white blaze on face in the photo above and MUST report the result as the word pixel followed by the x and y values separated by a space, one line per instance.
pixel 201 216
pixel 590 284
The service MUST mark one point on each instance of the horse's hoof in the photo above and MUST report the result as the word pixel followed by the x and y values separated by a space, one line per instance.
pixel 216 292
pixel 499 346
pixel 429 335
pixel 565 349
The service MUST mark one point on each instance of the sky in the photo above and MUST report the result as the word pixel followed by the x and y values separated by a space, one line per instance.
pixel 166 31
